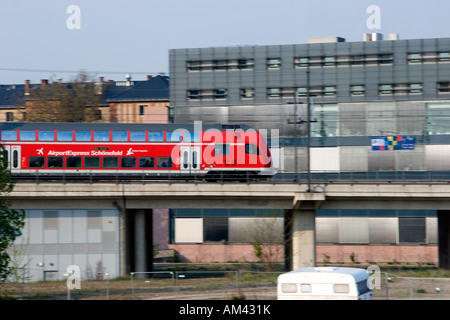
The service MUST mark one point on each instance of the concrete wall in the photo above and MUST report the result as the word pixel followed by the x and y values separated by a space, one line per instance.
pixel 54 239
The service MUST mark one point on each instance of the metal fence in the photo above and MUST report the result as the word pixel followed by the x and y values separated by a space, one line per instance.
pixel 207 285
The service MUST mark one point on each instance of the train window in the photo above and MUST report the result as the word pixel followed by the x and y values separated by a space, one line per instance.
pixel 119 136
pixel 64 136
pixel 36 162
pixel 55 162
pixel 27 135
pixel 110 162
pixel 82 136
pixel 156 136
pixel 101 136
pixel 146 162
pixel 164 162
pixel 92 162
pixel 194 160
pixel 173 136
pixel 128 162
pixel 185 159
pixel 221 149
pixel 137 136
pixel 251 149
pixel 73 162
pixel 191 137
pixel 15 159
pixel 9 135
pixel 46 136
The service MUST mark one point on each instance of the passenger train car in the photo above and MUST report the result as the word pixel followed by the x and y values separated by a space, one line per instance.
pixel 108 150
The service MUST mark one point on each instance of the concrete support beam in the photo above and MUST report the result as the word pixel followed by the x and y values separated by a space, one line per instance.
pixel 140 248
pixel 303 239
pixel 444 239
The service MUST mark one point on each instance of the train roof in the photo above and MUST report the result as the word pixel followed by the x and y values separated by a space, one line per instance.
pixel 191 127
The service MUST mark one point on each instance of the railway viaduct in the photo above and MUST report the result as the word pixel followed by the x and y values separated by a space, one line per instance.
pixel 299 204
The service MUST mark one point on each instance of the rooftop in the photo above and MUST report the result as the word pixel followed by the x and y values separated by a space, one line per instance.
pixel 153 89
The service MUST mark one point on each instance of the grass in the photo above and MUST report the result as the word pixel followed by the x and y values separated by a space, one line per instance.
pixel 205 281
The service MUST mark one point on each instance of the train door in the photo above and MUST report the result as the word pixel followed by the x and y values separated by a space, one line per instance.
pixel 189 159
pixel 13 156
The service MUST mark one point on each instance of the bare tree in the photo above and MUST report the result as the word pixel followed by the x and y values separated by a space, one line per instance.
pixel 74 101
pixel 267 238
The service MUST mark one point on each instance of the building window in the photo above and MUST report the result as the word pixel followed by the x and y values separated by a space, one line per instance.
pixel 357 90
pixel 193 95
pixel 414 88
pixel 215 229
pixel 194 65
pixel 207 94
pixel 301 62
pixel 141 110
pixel 329 61
pixel 438 118
pixel 411 229
pixel 220 94
pixel 273 63
pixel 273 92
pixel 357 60
pixel 247 93
pixel 9 116
pixel 329 90
pixel 220 64
pixel 242 64
pixel 97 114
pixel 301 92
pixel 400 88
pixel 344 60
pixel 444 56
pixel 385 58
pixel 414 57
pixel 443 87
pixel 385 89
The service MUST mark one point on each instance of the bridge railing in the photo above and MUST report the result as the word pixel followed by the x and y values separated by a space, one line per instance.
pixel 322 178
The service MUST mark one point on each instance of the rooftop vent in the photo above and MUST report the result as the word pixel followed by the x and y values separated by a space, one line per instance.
pixel 372 36
pixel 325 39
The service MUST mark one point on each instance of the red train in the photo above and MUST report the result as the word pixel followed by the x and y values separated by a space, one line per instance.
pixel 110 150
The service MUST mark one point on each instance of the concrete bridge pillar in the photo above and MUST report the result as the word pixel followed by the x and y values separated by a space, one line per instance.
pixel 139 238
pixel 444 238
pixel 303 238
pixel 140 247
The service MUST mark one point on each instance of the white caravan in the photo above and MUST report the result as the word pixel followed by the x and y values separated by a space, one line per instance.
pixel 324 283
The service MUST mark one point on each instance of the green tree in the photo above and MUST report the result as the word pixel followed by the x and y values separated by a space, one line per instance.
pixel 11 220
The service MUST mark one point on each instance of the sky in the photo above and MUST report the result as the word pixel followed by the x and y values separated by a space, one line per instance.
pixel 52 39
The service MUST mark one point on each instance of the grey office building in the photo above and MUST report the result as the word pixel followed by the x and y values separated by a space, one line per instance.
pixel 358 90
pixel 378 108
